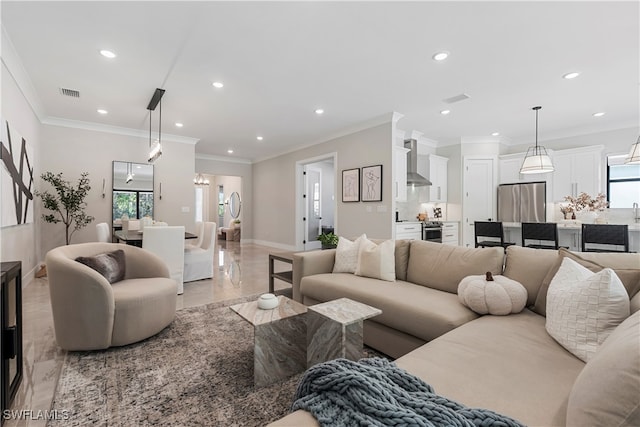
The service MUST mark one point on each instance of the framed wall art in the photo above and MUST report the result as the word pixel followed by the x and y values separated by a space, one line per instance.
pixel 351 185
pixel 372 183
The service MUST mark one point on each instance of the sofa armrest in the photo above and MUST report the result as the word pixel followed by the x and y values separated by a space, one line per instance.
pixel 309 263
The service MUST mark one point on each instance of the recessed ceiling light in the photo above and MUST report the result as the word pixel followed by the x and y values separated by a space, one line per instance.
pixel 495 134
pixel 259 138
pixel 599 114
pixel 570 76
pixel 440 56
pixel 218 84
pixel 101 111
pixel 107 54
pixel 445 112
pixel 179 125
pixel 319 111
pixel 230 151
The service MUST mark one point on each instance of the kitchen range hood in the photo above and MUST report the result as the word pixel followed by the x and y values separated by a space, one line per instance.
pixel 413 177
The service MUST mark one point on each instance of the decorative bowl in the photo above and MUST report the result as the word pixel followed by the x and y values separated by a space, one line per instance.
pixel 267 301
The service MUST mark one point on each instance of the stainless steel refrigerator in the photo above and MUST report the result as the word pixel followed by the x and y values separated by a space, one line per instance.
pixel 522 202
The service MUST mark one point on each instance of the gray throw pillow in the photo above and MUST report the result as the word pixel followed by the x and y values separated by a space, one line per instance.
pixel 110 264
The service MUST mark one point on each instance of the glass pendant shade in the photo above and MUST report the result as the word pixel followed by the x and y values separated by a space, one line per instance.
pixel 537 159
pixel 634 154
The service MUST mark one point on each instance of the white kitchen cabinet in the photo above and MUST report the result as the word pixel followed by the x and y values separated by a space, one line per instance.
pixel 400 173
pixel 409 230
pixel 434 168
pixel 578 170
pixel 509 171
pixel 450 233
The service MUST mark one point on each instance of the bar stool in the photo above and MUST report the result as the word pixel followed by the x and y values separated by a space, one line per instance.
pixel 493 230
pixel 605 234
pixel 541 232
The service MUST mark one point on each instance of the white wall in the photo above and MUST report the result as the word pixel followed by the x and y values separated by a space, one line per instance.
pixel 19 243
pixel 244 170
pixel 230 184
pixel 73 151
pixel 274 188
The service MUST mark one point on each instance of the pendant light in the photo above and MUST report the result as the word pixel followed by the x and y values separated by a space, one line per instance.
pixel 155 149
pixel 634 154
pixel 537 159
pixel 129 174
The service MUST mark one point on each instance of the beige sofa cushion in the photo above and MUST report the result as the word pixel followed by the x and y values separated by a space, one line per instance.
pixel 529 267
pixel 401 256
pixel 626 267
pixel 442 267
pixel 607 391
pixel 416 310
pixel 508 364
pixel 377 261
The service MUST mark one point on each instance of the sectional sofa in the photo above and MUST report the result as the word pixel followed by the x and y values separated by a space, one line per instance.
pixel 508 364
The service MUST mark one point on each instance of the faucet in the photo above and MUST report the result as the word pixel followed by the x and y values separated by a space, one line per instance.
pixel 636 218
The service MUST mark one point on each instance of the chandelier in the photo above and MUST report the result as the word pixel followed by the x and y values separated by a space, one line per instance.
pixel 200 180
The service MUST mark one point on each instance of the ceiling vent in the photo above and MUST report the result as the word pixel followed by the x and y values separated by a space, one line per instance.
pixel 456 98
pixel 70 92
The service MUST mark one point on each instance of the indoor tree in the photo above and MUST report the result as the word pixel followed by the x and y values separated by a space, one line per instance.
pixel 67 202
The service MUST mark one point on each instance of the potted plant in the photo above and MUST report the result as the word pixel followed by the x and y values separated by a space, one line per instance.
pixel 329 240
pixel 66 202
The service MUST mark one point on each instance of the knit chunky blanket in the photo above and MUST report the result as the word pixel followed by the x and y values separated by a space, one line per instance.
pixel 375 392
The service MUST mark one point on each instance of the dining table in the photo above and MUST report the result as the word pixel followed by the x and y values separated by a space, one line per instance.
pixel 134 237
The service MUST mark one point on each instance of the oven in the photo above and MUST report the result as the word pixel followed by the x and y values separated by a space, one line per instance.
pixel 432 231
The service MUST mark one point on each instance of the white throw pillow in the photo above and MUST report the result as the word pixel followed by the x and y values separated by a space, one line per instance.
pixel 583 307
pixel 377 261
pixel 347 254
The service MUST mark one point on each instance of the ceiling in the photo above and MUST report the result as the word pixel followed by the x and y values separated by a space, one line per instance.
pixel 280 61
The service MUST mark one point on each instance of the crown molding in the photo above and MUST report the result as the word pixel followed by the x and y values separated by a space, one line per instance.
pixel 117 130
pixel 367 124
pixel 200 156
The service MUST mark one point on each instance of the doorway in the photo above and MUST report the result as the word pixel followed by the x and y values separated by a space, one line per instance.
pixel 479 189
pixel 315 200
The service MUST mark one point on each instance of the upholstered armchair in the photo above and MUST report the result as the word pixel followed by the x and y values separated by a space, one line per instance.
pixel 89 313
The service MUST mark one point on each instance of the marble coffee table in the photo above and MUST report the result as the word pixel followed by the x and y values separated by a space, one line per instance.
pixel 279 339
pixel 334 330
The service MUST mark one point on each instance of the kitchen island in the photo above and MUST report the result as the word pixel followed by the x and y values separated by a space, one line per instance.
pixel 569 234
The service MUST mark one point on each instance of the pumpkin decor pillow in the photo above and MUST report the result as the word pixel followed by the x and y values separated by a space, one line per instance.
pixel 488 294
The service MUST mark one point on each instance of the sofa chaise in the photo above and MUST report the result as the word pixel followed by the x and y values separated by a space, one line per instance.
pixel 509 364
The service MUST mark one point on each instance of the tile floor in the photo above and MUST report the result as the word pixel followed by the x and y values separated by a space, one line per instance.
pixel 242 269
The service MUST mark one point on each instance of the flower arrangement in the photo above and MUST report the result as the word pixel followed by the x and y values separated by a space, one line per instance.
pixel 585 202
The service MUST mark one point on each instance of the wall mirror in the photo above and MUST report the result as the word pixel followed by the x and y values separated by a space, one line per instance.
pixel 132 187
pixel 234 205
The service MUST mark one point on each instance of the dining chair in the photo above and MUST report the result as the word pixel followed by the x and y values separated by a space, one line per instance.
pixel 102 230
pixel 540 232
pixel 168 244
pixel 607 237
pixel 130 225
pixel 492 230
pixel 197 242
pixel 198 261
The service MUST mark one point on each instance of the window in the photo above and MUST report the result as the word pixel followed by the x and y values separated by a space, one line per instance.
pixel 623 183
pixel 135 204
pixel 199 203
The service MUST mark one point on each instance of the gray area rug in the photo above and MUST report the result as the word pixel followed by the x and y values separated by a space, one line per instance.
pixel 196 372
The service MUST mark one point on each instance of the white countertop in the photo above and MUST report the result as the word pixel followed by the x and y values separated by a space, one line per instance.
pixel 569 225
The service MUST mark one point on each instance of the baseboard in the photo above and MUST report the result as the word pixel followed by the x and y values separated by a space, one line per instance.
pixel 270 244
